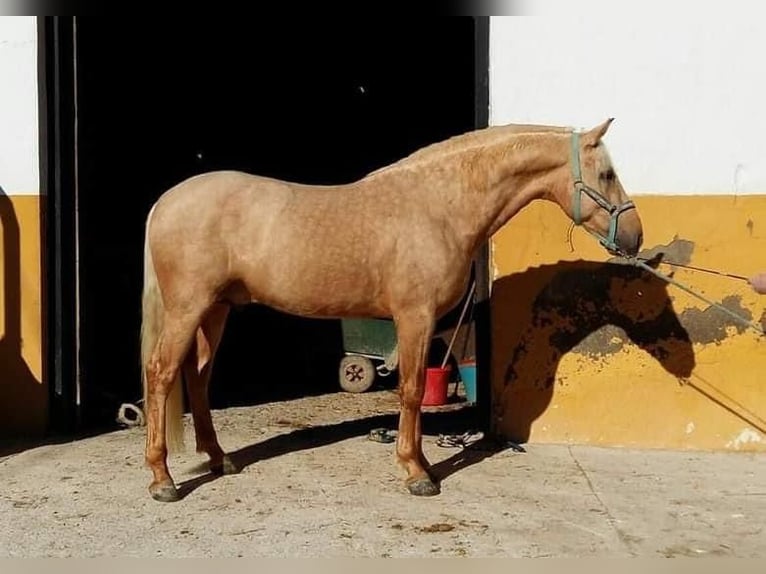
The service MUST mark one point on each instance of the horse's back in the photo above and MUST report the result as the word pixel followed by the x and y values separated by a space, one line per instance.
pixel 290 245
pixel 217 189
pixel 217 201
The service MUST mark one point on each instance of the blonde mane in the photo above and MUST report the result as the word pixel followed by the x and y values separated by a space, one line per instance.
pixel 468 141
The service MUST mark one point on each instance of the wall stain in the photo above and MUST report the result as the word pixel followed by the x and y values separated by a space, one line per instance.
pixel 704 326
pixel 677 251
pixel 710 325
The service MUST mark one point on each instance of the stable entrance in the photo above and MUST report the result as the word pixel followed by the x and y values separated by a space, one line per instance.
pixel 157 101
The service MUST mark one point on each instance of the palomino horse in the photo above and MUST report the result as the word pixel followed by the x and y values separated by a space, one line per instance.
pixel 398 243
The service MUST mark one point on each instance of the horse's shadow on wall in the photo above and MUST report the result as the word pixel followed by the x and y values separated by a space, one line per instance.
pixel 590 308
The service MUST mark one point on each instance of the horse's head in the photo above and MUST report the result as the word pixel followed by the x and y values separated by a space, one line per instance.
pixel 594 197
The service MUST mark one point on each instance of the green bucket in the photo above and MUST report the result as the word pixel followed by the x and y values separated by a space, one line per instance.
pixel 468 376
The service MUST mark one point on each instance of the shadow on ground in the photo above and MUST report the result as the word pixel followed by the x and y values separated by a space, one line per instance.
pixel 433 423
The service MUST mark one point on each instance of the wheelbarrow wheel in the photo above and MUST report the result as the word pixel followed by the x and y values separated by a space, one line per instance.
pixel 356 373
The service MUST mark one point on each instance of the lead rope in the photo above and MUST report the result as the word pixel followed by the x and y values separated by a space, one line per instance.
pixel 701 269
pixel 639 263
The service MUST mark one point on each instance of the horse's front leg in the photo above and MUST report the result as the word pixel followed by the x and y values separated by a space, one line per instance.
pixel 414 331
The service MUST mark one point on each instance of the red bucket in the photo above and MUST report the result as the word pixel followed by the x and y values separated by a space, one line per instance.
pixel 437 380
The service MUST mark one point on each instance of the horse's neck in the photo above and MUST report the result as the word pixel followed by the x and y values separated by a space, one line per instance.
pixel 496 181
pixel 475 191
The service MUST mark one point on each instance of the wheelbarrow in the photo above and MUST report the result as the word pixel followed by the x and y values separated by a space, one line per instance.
pixel 370 350
pixel 368 340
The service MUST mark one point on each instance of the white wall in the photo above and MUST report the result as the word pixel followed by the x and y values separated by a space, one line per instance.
pixel 19 155
pixel 687 87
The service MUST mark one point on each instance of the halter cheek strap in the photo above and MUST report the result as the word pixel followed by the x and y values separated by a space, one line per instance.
pixel 610 240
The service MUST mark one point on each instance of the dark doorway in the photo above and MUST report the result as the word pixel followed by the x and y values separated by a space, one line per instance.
pixel 317 102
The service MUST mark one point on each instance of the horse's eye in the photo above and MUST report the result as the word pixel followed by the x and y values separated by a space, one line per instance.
pixel 607 175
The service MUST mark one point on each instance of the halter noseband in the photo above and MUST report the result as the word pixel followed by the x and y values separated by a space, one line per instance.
pixel 610 241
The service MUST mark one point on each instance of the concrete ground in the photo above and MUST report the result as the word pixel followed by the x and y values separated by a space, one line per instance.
pixel 313 485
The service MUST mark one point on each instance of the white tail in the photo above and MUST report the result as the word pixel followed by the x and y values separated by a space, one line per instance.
pixel 152 311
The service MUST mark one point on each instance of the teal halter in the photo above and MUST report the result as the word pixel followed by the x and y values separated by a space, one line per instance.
pixel 610 240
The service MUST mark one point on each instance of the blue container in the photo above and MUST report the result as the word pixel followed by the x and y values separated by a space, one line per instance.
pixel 468 376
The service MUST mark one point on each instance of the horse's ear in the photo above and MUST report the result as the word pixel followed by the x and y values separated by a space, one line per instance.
pixel 593 137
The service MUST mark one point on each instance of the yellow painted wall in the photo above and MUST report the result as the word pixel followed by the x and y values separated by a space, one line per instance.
pixel 590 351
pixel 23 395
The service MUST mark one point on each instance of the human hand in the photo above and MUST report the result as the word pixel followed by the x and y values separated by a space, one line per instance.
pixel 758 283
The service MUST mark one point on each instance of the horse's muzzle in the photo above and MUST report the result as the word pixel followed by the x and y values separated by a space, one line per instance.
pixel 630 241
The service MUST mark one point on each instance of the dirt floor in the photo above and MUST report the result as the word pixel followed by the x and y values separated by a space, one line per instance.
pixel 312 484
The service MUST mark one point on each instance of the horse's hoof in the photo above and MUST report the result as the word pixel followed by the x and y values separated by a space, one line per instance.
pixel 423 487
pixel 226 467
pixel 164 492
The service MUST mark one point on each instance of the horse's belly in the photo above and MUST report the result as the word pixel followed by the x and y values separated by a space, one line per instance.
pixel 329 292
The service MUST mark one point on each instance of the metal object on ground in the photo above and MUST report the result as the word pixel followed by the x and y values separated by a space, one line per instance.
pixel 365 341
pixel 383 435
pixel 137 418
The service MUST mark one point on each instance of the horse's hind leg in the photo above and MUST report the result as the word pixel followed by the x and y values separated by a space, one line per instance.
pixel 197 369
pixel 173 343
pixel 414 331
